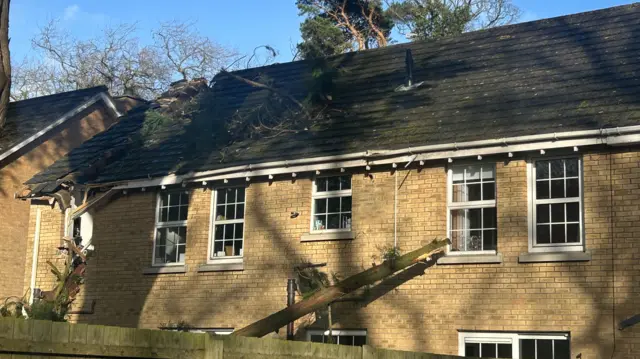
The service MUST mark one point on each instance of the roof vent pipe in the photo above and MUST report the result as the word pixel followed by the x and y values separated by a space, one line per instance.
pixel 409 85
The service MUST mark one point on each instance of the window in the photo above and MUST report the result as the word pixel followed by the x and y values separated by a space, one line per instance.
pixel 472 208
pixel 331 204
pixel 228 223
pixel 514 345
pixel 557 204
pixel 171 228
pixel 340 337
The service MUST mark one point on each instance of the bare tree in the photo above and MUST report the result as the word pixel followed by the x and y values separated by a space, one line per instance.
pixel 5 61
pixel 116 58
pixel 188 53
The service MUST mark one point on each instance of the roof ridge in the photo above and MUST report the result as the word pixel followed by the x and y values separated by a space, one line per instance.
pixel 88 89
pixel 448 39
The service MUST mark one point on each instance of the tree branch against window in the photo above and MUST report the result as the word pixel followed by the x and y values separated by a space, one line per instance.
pixel 169 247
pixel 557 204
pixel 331 204
pixel 472 208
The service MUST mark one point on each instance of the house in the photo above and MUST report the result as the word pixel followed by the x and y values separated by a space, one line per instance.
pixel 520 143
pixel 38 132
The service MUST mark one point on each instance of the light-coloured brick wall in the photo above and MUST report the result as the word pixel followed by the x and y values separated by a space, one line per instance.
pixel 18 168
pixel 411 311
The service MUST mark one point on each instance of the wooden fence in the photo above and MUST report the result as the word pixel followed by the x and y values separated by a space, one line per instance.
pixel 34 339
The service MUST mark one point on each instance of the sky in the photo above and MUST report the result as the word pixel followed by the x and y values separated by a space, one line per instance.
pixel 241 24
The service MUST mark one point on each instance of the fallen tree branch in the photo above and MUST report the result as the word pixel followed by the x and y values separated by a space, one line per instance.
pixel 326 296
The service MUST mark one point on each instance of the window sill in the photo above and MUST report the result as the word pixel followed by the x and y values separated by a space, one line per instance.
pixel 165 270
pixel 471 259
pixel 222 267
pixel 328 236
pixel 543 257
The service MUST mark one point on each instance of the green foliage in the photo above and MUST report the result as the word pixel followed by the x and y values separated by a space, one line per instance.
pixel 310 280
pixel 181 326
pixel 430 19
pixel 154 122
pixel 337 26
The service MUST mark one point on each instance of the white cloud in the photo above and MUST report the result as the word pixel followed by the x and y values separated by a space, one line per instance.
pixel 70 12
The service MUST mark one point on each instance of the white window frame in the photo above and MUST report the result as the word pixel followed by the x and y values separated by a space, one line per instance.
pixel 532 202
pixel 212 228
pixel 329 194
pixel 338 333
pixel 469 205
pixel 159 224
pixel 504 338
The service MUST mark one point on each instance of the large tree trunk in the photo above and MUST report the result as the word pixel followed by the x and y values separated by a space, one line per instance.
pixel 5 62
pixel 328 295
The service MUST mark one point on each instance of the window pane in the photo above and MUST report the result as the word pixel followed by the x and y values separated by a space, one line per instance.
pixel 505 351
pixel 174 199
pixel 220 197
pixel 557 233
pixel 571 165
pixel 333 221
pixel 573 187
pixel 346 204
pixel 457 241
pixel 528 349
pixel 557 212
pixel 321 205
pixel 542 213
pixel 489 191
pixel 238 231
pixel 182 235
pixel 489 217
pixel 457 219
pixel 473 192
pixel 557 188
pixel 164 214
pixel 474 241
pixel 333 205
pixel 544 348
pixel 573 212
pixel 228 231
pixel 345 221
pixel 333 183
pixel 542 169
pixel 164 200
pixel 557 169
pixel 228 248
pixel 457 175
pixel 237 249
pixel 488 350
pixel 573 233
pixel 542 189
pixel 161 237
pixel 487 173
pixel 458 194
pixel 217 249
pixel 472 173
pixel 561 349
pixel 474 218
pixel 231 211
pixel 489 240
pixel 359 340
pixel 240 194
pixel 160 255
pixel 320 223
pixel 181 253
pixel 321 184
pixel 543 234
pixel 220 216
pixel 345 340
pixel 472 349
pixel 183 213
pixel 173 213
pixel 345 182
pixel 219 232
pixel 240 211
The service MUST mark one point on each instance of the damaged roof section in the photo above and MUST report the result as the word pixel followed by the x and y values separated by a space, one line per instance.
pixel 571 73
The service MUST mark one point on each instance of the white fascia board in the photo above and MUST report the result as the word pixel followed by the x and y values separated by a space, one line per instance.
pixel 67 116
pixel 108 101
pixel 621 136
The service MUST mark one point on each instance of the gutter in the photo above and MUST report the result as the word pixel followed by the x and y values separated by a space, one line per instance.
pixel 613 136
pixel 34 260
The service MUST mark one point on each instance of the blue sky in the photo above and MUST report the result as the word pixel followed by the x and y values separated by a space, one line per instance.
pixel 243 24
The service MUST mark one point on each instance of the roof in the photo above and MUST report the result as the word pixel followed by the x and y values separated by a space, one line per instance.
pixel 28 117
pixel 570 73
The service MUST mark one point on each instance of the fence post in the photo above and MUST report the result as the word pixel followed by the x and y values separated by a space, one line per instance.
pixel 213 347
pixel 368 352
